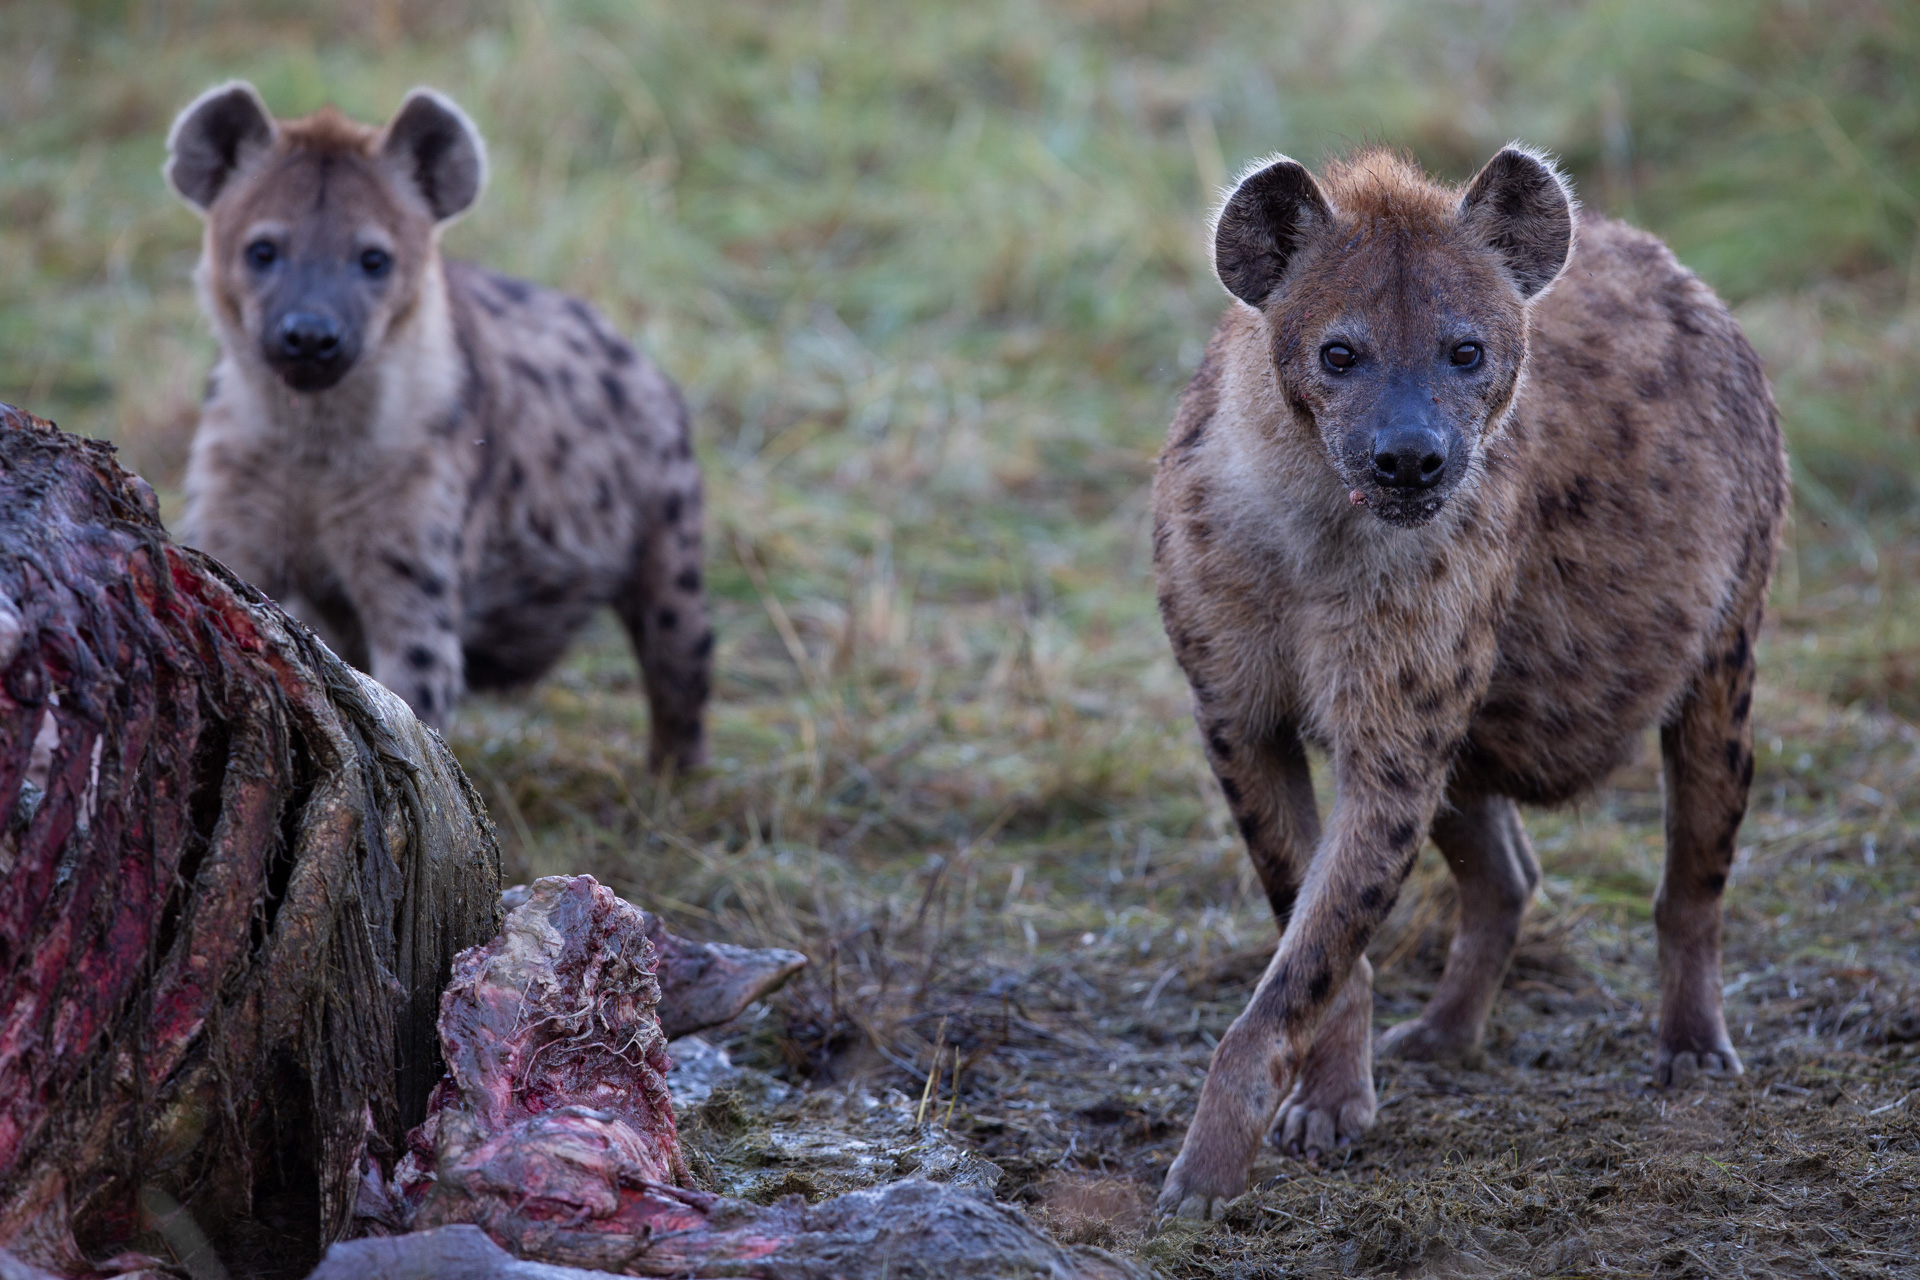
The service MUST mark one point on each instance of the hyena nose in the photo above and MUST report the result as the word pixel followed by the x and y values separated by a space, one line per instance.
pixel 1409 457
pixel 306 335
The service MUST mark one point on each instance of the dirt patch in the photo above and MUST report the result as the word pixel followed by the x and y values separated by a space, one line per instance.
pixel 1079 1064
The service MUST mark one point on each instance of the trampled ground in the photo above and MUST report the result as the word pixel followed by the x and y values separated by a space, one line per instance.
pixel 932 276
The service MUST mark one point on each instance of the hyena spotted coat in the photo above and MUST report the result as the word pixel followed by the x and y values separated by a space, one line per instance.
pixel 1468 491
pixel 443 470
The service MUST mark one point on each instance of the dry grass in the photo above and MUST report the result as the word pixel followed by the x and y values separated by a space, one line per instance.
pixel 932 276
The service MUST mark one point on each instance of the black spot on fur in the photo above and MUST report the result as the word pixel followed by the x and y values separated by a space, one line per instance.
pixel 616 394
pixel 420 657
pixel 676 506
pixel 1403 834
pixel 668 619
pixel 431 585
pixel 1733 755
pixel 1318 988
pixel 688 581
pixel 1740 653
pixel 400 565
pixel 516 476
pixel 1249 824
pixel 527 372
pixel 704 646
pixel 1715 882
pixel 1230 789
pixel 1221 747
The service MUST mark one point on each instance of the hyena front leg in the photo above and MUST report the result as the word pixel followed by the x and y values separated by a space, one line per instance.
pixel 404 586
pixel 1707 752
pixel 1384 803
pixel 1269 787
pixel 1496 874
pixel 664 608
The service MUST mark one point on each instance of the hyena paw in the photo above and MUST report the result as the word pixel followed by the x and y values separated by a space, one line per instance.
pixel 1676 1066
pixel 1199 1185
pixel 1321 1115
pixel 1419 1040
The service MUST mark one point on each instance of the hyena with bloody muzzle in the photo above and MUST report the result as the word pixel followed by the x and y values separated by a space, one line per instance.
pixel 1468 538
pixel 443 470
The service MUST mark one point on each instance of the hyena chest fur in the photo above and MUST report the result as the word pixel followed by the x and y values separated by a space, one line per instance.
pixel 1286 611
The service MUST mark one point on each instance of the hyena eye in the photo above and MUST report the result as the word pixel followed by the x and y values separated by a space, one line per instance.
pixel 1338 356
pixel 375 262
pixel 262 254
pixel 1466 355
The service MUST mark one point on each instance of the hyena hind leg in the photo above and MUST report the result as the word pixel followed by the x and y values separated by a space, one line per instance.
pixel 1495 873
pixel 1707 753
pixel 664 609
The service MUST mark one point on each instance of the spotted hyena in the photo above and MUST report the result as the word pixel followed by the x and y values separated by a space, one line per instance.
pixel 442 469
pixel 1468 538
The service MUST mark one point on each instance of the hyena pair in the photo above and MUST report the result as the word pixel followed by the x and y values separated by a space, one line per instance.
pixel 1467 537
pixel 443 470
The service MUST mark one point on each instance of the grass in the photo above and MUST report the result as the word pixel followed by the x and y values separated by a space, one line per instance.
pixel 931 276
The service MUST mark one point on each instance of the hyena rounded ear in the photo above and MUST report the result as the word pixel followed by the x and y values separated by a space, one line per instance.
pixel 1263 224
pixel 438 149
pixel 219 131
pixel 1520 207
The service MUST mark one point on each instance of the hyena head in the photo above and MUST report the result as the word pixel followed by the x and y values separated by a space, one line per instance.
pixel 1396 309
pixel 319 231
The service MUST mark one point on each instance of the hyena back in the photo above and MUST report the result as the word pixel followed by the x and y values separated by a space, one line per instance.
pixel 1469 538
pixel 444 470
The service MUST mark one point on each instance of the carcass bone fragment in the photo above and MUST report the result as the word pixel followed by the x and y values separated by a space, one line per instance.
pixel 554 1118
pixel 702 984
pixel 554 1134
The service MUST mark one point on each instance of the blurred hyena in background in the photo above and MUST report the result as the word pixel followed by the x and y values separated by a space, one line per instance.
pixel 444 470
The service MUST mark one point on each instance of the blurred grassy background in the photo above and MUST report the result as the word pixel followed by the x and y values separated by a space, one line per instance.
pixel 932 276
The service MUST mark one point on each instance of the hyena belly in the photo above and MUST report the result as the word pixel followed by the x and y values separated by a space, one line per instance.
pixel 591 493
